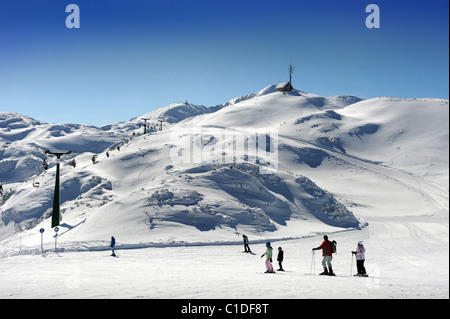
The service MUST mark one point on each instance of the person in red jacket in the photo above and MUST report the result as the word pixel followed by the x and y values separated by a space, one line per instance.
pixel 326 253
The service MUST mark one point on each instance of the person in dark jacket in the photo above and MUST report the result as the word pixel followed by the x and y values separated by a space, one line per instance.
pixel 246 246
pixel 113 244
pixel 326 253
pixel 280 258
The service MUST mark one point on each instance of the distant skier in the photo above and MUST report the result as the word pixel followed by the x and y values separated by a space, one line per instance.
pixel 360 258
pixel 107 154
pixel 45 164
pixel 112 245
pixel 268 255
pixel 326 253
pixel 246 246
pixel 280 258
pixel 93 159
pixel 73 163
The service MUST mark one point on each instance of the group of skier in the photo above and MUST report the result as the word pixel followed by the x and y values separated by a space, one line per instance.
pixel 328 248
pixel 327 252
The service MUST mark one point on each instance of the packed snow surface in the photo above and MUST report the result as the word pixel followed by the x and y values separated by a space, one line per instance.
pixel 280 167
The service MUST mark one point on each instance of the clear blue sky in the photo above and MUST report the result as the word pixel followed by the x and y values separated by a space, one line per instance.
pixel 131 56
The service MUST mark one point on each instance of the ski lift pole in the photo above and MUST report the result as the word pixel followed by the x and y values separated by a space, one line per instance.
pixel 56 211
pixel 145 125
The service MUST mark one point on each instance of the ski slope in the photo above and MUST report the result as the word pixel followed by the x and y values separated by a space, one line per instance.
pixel 401 259
pixel 179 200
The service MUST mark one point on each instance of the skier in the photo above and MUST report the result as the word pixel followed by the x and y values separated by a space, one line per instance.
pixel 107 154
pixel 73 163
pixel 246 247
pixel 268 255
pixel 360 258
pixel 280 258
pixel 93 159
pixel 326 253
pixel 45 164
pixel 113 244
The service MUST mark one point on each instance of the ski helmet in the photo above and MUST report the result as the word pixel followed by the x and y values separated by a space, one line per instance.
pixel 268 244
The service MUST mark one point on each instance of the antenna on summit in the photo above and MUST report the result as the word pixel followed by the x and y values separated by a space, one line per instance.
pixel 291 71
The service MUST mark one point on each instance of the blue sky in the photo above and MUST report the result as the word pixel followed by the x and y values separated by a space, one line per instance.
pixel 130 57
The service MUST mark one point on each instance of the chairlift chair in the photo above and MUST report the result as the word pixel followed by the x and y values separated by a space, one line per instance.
pixel 36 184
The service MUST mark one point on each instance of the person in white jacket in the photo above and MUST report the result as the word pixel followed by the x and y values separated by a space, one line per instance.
pixel 360 258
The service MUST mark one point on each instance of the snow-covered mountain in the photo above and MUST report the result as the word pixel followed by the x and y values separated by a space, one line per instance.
pixel 285 167
pixel 204 176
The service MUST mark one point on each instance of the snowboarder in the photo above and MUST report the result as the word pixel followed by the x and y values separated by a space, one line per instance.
pixel 268 255
pixel 280 258
pixel 112 245
pixel 246 247
pixel 326 253
pixel 360 258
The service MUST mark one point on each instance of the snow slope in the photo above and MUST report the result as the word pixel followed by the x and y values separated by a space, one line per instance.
pixel 223 271
pixel 285 167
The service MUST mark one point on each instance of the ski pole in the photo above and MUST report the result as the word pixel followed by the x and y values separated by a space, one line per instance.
pixel 351 266
pixel 313 263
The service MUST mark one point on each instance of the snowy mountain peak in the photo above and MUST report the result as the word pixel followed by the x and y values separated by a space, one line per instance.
pixel 175 112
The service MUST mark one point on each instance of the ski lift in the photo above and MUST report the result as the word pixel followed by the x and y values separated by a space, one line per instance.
pixel 36 184
pixel 45 164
